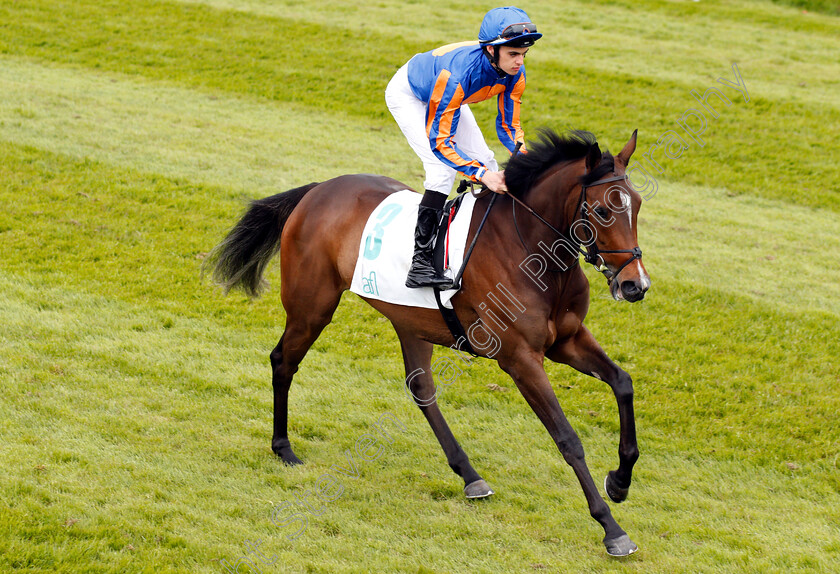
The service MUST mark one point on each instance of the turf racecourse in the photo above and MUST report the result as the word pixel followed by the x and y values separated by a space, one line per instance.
pixel 136 403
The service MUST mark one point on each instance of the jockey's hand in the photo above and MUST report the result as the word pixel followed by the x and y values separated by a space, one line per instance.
pixel 495 181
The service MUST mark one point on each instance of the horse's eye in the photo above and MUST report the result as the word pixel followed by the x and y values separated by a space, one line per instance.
pixel 601 212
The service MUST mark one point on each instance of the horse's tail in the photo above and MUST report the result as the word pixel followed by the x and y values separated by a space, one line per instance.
pixel 239 261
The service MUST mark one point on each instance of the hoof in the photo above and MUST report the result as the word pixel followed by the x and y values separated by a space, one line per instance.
pixel 291 459
pixel 478 489
pixel 615 492
pixel 621 546
pixel 284 450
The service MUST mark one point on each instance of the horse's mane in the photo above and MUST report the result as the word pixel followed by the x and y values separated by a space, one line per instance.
pixel 523 170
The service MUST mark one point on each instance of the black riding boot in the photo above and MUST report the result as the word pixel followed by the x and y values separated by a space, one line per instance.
pixel 422 272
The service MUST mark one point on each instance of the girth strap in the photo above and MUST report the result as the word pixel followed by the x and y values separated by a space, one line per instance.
pixel 462 342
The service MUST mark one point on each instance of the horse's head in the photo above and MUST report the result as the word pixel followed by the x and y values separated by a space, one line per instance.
pixel 607 213
pixel 591 205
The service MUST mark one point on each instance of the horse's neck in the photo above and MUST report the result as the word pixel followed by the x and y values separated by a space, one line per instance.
pixel 553 198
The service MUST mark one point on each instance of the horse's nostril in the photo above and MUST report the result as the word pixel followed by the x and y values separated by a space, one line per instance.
pixel 629 288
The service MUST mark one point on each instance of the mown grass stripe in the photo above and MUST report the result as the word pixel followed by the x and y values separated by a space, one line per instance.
pixel 654 36
pixel 198 47
pixel 220 140
pixel 826 6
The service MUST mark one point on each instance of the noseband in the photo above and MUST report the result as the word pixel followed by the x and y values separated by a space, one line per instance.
pixel 591 254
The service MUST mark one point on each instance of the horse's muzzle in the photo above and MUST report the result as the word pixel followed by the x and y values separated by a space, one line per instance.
pixel 633 291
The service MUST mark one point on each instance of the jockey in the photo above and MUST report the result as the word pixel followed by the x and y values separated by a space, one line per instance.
pixel 429 98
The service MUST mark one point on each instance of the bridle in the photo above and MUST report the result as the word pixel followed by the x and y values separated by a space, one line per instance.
pixel 591 254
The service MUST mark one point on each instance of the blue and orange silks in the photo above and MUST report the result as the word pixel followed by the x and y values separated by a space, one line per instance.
pixel 458 74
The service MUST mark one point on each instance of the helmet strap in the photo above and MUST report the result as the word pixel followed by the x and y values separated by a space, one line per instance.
pixel 494 60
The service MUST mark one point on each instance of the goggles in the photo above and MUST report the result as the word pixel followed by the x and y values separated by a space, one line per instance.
pixel 516 30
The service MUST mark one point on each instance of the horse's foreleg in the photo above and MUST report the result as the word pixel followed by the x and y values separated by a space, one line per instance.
pixel 532 381
pixel 583 353
pixel 417 355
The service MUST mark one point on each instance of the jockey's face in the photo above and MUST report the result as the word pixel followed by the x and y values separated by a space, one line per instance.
pixel 511 59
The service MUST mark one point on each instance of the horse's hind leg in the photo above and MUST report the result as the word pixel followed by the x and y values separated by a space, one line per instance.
pixel 417 355
pixel 308 311
pixel 583 353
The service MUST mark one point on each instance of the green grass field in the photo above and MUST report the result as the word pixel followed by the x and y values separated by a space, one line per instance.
pixel 136 404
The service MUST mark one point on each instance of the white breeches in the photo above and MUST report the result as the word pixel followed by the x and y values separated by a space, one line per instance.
pixel 410 114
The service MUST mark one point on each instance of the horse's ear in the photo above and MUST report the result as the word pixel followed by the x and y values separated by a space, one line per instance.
pixel 628 150
pixel 593 158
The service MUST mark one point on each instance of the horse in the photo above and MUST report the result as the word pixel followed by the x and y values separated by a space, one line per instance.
pixel 571 193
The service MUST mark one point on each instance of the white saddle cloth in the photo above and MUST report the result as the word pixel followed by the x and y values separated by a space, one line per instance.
pixel 388 245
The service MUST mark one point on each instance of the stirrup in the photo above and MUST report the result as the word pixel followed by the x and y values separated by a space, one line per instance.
pixel 416 280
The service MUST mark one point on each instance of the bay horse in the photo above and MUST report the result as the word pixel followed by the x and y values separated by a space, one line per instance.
pixel 578 195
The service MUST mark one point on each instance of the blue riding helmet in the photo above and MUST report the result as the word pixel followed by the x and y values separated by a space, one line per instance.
pixel 508 26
